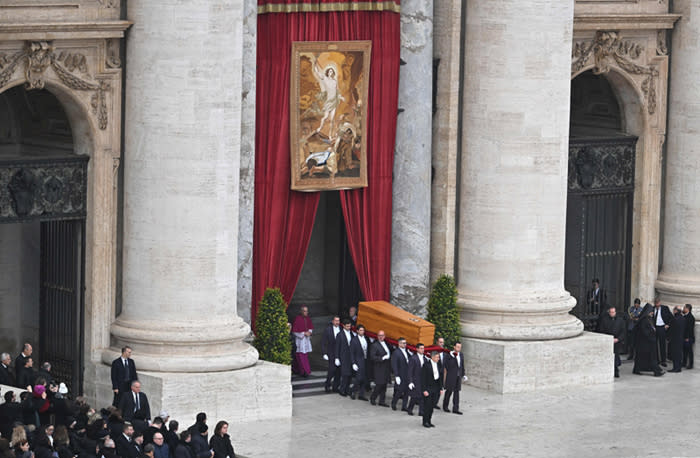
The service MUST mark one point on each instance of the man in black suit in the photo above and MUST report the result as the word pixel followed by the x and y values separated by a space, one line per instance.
pixel 352 314
pixel 380 355
pixel 6 376
pixel 20 362
pixel 676 335
pixel 359 351
pixel 689 340
pixel 432 384
pixel 415 366
pixel 124 442
pixel 123 373
pixel 134 406
pixel 597 299
pixel 440 342
pixel 399 366
pixel 28 374
pixel 614 326
pixel 662 321
pixel 328 351
pixel 45 373
pixel 454 376
pixel 343 358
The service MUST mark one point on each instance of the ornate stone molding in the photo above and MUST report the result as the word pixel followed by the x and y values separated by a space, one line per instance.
pixel 109 3
pixel 661 47
pixel 624 21
pixel 606 48
pixel 113 60
pixel 37 31
pixel 38 56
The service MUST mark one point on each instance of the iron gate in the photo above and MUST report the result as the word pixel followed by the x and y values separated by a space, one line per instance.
pixel 599 222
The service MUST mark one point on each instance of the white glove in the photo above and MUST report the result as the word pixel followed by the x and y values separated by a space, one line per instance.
pixel 337 362
pixel 465 378
pixel 411 386
pixel 325 357
pixel 355 368
pixel 398 380
pixel 385 357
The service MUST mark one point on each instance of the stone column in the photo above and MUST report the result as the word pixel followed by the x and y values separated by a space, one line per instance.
pixel 679 280
pixel 181 177
pixel 513 198
pixel 410 247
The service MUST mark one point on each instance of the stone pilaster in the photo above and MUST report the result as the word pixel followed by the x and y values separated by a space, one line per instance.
pixel 678 282
pixel 513 200
pixel 410 248
pixel 181 179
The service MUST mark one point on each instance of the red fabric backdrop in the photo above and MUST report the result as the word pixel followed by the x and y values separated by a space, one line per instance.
pixel 284 218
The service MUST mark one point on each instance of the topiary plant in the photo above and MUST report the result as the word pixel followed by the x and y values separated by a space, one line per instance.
pixel 442 310
pixel 272 335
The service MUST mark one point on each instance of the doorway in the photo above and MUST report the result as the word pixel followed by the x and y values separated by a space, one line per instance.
pixel 600 198
pixel 43 207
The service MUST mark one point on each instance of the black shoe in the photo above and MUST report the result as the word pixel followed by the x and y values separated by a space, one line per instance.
pixel 675 370
pixel 663 363
pixel 393 407
pixel 659 374
pixel 404 409
pixel 352 395
pixel 373 402
pixel 328 390
pixel 457 412
pixel 384 404
pixel 637 372
pixel 410 412
pixel 342 393
pixel 630 358
pixel 689 367
pixel 362 398
pixel 617 375
pixel 445 409
pixel 427 425
pixel 431 425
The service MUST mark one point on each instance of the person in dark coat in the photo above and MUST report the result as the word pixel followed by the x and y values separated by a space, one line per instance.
pixel 171 435
pixel 359 351
pixel 122 374
pixel 184 447
pixel 328 351
pixel 6 376
pixel 343 358
pixel 26 378
pixel 380 355
pixel 199 442
pixel 596 299
pixel 160 448
pixel 44 372
pixel 134 405
pixel 689 340
pixel 676 336
pixel 399 366
pixel 20 363
pixel 633 316
pixel 200 419
pixel 454 376
pixel 124 442
pixel 433 385
pixel 614 326
pixel 662 321
pixel 645 351
pixel 10 413
pixel 155 427
pixel 220 442
pixel 415 366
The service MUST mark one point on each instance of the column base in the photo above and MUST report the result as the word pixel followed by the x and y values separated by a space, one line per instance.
pixel 523 366
pixel 675 290
pixel 259 392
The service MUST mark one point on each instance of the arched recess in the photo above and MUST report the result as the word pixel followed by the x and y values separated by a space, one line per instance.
pixel 647 123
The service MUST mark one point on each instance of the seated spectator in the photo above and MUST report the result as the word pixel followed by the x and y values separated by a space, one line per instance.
pixel 43 442
pixel 220 442
pixel 19 434
pixel 61 442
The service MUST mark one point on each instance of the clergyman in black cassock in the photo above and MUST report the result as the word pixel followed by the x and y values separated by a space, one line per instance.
pixel 432 382
pixel 676 335
pixel 689 336
pixel 614 326
pixel 645 352
pixel 399 366
pixel 454 374
pixel 380 356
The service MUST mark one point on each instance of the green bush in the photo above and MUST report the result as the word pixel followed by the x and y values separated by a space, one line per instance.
pixel 272 335
pixel 442 310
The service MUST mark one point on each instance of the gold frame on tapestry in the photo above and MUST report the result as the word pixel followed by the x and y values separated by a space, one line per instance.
pixel 302 178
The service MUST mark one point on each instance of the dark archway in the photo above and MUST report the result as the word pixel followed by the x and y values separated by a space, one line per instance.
pixel 43 207
pixel 600 198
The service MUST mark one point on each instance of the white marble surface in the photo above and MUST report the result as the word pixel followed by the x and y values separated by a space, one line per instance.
pixel 596 421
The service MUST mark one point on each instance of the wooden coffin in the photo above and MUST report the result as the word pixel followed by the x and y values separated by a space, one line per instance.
pixel 395 322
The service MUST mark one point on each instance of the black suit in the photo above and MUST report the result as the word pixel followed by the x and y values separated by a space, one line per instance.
pixel 6 377
pixel 597 299
pixel 126 448
pixel 19 368
pixel 342 353
pixel 414 377
pixel 433 386
pixel 615 327
pixel 689 340
pixel 399 366
pixel 676 334
pixel 130 409
pixel 10 412
pixel 328 349
pixel 453 380
pixel 359 358
pixel 382 370
pixel 122 377
pixel 667 316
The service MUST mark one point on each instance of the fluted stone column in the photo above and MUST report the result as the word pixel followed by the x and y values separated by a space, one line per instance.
pixel 679 280
pixel 410 246
pixel 513 196
pixel 182 162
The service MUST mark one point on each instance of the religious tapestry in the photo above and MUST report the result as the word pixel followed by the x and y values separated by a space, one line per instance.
pixel 328 115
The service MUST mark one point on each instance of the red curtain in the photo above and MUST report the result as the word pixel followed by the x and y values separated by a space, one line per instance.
pixel 284 218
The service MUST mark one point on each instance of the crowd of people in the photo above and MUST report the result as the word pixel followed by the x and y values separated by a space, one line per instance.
pixel 650 335
pixel 355 361
pixel 41 420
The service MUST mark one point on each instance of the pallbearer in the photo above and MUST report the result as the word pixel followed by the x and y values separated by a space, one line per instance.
pixel 454 375
pixel 432 382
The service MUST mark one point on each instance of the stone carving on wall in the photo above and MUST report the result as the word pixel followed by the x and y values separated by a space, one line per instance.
pixel 109 3
pixel 113 60
pixel 606 48
pixel 661 47
pixel 601 166
pixel 43 189
pixel 38 56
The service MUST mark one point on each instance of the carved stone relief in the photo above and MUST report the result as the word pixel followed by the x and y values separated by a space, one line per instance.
pixel 37 56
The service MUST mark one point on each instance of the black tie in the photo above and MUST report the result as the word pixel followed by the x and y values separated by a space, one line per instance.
pixel 137 402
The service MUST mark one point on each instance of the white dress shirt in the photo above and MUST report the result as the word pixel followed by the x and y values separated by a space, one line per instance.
pixel 436 375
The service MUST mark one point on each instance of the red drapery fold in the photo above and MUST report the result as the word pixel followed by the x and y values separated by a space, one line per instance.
pixel 284 218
